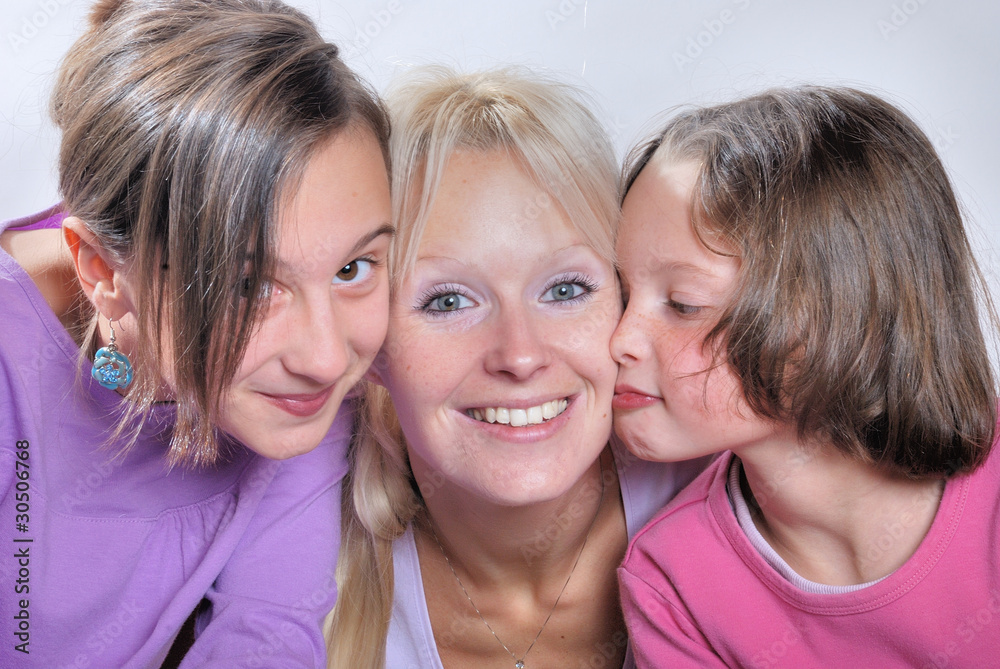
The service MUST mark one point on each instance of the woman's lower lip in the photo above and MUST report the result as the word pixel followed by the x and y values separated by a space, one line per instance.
pixel 301 406
pixel 633 401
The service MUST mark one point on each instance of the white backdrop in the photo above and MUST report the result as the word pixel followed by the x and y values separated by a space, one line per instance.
pixel 938 60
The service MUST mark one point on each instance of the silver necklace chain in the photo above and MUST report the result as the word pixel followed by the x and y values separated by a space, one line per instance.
pixel 519 663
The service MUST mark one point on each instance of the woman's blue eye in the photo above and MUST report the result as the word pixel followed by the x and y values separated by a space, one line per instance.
pixel 448 302
pixel 567 291
pixel 354 271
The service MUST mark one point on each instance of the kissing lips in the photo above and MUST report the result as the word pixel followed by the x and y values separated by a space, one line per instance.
pixel 627 397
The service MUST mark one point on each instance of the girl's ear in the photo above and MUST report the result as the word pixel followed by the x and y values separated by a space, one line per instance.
pixel 101 281
pixel 373 374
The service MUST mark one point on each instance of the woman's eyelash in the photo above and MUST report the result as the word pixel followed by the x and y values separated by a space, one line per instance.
pixel 590 285
pixel 428 297
pixel 582 279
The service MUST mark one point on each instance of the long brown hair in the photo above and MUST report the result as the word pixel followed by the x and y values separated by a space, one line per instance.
pixel 857 309
pixel 183 123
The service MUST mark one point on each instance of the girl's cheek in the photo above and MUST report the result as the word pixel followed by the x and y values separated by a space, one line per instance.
pixel 681 348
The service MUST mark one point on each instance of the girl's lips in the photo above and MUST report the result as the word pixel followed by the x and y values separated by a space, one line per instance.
pixel 630 398
pixel 302 406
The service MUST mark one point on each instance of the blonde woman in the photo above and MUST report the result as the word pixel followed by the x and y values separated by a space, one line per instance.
pixel 487 510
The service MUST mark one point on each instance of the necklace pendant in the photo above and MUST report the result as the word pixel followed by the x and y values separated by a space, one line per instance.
pixel 519 664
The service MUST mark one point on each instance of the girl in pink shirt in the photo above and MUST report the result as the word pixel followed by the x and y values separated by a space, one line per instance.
pixel 802 298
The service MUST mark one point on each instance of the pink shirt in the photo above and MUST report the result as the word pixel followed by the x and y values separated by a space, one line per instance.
pixel 696 593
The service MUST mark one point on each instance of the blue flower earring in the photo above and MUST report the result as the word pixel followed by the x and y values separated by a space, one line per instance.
pixel 112 369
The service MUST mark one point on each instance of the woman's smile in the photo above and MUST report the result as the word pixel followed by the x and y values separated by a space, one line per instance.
pixel 499 338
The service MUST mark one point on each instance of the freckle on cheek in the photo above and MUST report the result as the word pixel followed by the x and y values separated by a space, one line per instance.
pixel 669 338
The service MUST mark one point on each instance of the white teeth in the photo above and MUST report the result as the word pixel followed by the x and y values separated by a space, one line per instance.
pixel 520 417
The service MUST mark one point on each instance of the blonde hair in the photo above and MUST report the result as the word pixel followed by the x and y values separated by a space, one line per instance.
pixel 183 122
pixel 546 126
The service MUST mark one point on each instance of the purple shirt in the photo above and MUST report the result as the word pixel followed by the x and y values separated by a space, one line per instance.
pixel 103 556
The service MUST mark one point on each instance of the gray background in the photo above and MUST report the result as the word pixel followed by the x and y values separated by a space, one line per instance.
pixel 938 60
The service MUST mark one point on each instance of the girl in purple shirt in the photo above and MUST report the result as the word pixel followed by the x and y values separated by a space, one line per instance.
pixel 179 335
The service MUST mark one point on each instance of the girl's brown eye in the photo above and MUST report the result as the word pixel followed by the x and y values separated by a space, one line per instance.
pixel 349 271
pixel 356 272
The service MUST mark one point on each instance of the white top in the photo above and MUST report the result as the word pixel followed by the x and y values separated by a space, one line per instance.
pixel 645 488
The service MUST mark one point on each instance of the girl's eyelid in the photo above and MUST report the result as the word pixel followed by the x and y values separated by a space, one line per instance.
pixel 374 263
pixel 376 252
pixel 691 304
pixel 682 308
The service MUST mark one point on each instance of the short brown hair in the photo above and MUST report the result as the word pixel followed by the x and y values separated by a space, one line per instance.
pixel 183 122
pixel 856 313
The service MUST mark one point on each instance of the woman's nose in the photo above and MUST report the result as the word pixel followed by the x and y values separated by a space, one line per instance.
pixel 520 346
